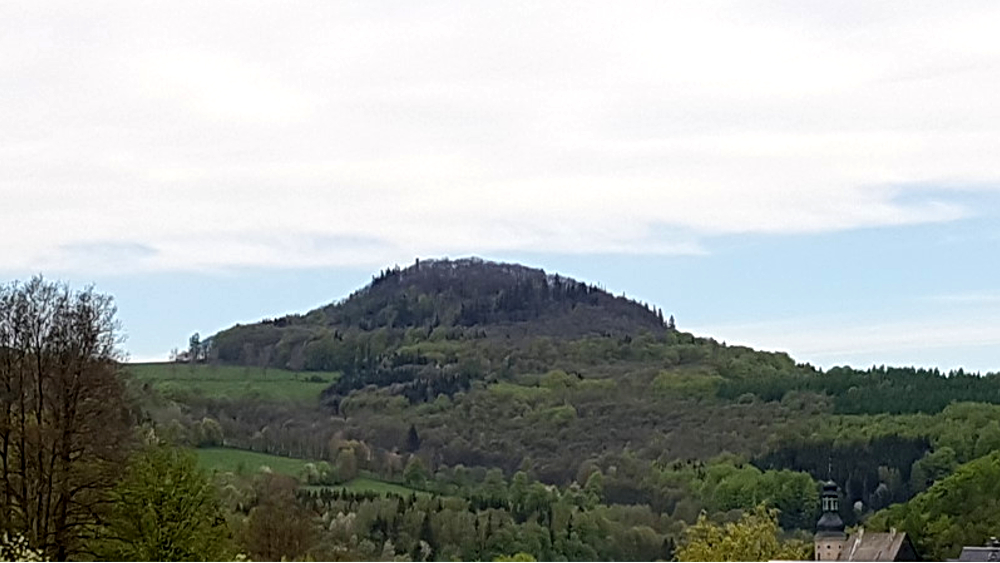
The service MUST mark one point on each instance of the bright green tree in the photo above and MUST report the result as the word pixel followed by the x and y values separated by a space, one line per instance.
pixel 958 510
pixel 519 556
pixel 753 538
pixel 415 474
pixel 164 509
pixel 594 488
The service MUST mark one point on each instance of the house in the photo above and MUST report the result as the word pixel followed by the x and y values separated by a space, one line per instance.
pixel 879 546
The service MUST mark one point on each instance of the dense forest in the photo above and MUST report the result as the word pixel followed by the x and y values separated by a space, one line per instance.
pixel 528 415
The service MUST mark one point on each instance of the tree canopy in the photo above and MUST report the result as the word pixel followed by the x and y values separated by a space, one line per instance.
pixel 754 537
pixel 65 425
pixel 959 510
pixel 164 509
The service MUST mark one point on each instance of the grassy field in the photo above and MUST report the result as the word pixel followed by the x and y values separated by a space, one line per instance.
pixel 175 379
pixel 243 461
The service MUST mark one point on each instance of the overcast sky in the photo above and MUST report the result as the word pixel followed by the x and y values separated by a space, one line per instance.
pixel 816 177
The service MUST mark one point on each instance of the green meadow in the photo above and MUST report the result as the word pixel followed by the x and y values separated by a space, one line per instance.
pixel 233 382
pixel 233 460
pixel 226 460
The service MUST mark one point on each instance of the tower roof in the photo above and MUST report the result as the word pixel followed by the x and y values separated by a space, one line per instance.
pixel 830 522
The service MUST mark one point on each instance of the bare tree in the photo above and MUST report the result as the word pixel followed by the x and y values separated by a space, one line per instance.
pixel 65 426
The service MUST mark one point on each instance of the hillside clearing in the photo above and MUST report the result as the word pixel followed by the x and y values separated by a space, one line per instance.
pixel 225 460
pixel 233 382
pixel 243 461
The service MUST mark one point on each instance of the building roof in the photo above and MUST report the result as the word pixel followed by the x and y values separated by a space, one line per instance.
pixel 877 546
pixel 979 554
pixel 830 524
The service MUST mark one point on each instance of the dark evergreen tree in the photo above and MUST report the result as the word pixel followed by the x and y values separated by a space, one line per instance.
pixel 412 439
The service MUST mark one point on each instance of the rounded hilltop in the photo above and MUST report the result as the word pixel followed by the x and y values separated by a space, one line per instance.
pixel 470 292
pixel 454 300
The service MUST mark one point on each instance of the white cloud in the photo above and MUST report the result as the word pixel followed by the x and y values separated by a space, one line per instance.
pixel 225 134
pixel 220 87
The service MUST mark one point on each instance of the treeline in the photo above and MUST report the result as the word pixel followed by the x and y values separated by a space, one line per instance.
pixel 873 391
pixel 418 383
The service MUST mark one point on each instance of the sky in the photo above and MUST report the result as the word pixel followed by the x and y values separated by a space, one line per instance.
pixel 819 178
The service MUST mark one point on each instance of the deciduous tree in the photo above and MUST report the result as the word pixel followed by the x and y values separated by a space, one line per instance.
pixel 753 538
pixel 164 509
pixel 278 527
pixel 65 427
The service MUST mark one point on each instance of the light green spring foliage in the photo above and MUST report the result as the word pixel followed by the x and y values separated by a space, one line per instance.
pixel 164 509
pixel 13 547
pixel 753 538
pixel 520 556
pixel 699 384
pixel 961 509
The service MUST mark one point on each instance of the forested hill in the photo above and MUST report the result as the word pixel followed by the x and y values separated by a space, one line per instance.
pixel 438 325
pixel 473 292
pixel 474 367
pixel 448 298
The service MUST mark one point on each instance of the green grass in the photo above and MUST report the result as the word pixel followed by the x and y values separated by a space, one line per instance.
pixel 242 461
pixel 207 381
pixel 233 460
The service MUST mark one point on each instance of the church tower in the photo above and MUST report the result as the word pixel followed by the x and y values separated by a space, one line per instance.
pixel 830 538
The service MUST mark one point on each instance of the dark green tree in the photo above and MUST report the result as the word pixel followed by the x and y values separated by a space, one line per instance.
pixel 934 466
pixel 412 439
